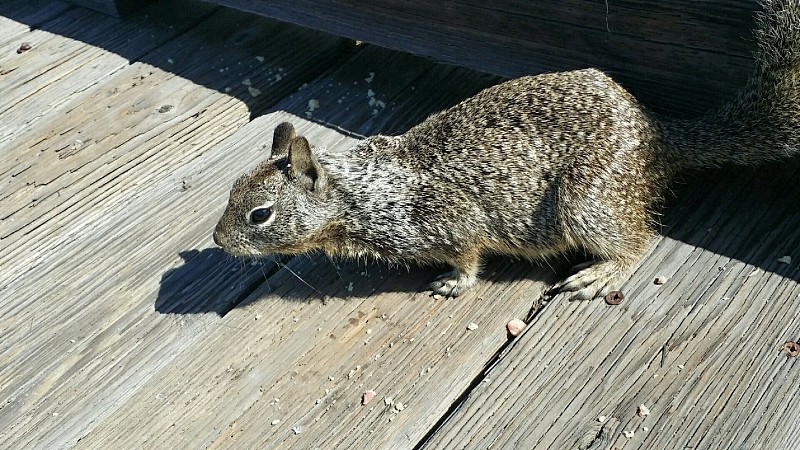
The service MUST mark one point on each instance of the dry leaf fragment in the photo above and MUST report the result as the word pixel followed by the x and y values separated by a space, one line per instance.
pixel 472 326
pixel 785 259
pixel 642 411
pixel 660 280
pixel 791 348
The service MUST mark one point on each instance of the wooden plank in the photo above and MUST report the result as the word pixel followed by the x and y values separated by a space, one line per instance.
pixel 116 8
pixel 682 57
pixel 60 65
pixel 74 310
pixel 18 17
pixel 723 317
pixel 76 201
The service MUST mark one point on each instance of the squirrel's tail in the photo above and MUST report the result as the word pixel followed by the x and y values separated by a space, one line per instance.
pixel 763 122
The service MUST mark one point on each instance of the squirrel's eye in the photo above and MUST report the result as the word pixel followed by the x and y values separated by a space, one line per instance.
pixel 260 215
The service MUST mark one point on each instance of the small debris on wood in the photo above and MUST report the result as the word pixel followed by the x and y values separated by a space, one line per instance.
pixel 260 59
pixel 515 327
pixel 275 422
pixel 253 91
pixel 615 297
pixel 388 401
pixel 602 419
pixel 367 397
pixel 628 434
pixel 399 406
pixel 24 47
pixel 642 411
pixel 785 259
pixel 247 82
pixel 791 348
pixel 472 326
pixel 165 108
pixel 438 297
pixel 660 280
pixel 297 429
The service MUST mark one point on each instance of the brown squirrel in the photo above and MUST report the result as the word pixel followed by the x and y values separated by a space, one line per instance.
pixel 532 167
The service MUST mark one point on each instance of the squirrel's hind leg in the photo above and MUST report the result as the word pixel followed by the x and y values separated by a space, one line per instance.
pixel 620 251
pixel 463 276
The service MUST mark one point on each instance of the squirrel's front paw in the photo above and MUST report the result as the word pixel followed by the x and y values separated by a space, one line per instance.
pixel 452 283
pixel 593 280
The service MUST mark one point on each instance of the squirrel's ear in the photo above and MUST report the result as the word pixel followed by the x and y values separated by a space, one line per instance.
pixel 304 166
pixel 282 139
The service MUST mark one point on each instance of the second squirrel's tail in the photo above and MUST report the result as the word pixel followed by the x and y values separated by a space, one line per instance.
pixel 763 122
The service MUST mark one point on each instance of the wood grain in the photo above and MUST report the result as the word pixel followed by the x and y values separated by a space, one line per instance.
pixel 679 57
pixel 122 326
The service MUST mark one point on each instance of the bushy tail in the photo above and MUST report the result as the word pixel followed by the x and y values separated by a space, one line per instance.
pixel 778 36
pixel 763 122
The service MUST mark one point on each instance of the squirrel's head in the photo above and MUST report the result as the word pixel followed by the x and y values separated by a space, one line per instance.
pixel 283 206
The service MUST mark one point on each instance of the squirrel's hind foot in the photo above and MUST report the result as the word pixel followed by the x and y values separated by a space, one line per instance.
pixel 453 283
pixel 593 279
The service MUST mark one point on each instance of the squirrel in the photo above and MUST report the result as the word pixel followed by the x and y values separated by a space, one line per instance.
pixel 532 167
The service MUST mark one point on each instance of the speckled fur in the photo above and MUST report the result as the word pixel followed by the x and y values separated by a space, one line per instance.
pixel 532 167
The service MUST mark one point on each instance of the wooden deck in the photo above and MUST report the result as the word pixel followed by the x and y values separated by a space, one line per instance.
pixel 122 326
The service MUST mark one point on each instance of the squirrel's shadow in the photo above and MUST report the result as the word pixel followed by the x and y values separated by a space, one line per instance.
pixel 192 288
pixel 211 281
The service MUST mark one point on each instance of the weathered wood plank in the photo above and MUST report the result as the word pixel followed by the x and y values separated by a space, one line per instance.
pixel 18 17
pixel 677 56
pixel 58 70
pixel 75 309
pixel 723 317
pixel 111 335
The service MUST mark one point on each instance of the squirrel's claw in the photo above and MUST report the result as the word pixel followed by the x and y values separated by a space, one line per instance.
pixel 593 280
pixel 452 283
